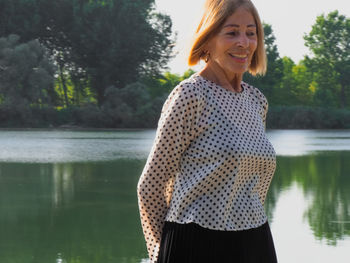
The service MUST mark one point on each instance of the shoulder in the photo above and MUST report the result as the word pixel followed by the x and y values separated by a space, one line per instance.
pixel 191 85
pixel 187 89
pixel 257 93
pixel 186 93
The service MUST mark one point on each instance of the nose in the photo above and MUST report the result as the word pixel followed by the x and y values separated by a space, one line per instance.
pixel 243 41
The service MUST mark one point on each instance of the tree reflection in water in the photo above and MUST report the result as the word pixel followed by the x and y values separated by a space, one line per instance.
pixel 324 178
pixel 70 212
pixel 87 212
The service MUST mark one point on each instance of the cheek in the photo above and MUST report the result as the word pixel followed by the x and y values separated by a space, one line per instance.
pixel 253 45
pixel 221 47
pixel 226 43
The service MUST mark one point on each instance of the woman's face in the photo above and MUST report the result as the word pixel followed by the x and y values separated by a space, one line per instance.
pixel 233 47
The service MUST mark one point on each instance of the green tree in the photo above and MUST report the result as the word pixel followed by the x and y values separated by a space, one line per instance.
pixel 130 106
pixel 26 74
pixel 329 43
pixel 274 74
pixel 161 86
pixel 304 89
pixel 98 43
pixel 120 41
pixel 295 85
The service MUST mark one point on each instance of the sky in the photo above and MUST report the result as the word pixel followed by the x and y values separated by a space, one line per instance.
pixel 290 20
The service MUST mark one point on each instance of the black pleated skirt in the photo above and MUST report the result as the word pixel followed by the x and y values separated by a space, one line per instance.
pixel 191 243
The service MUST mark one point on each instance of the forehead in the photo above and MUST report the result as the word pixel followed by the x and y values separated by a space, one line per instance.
pixel 241 17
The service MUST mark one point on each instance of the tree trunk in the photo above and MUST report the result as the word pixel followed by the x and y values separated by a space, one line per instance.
pixel 98 87
pixel 342 97
pixel 77 86
pixel 100 97
pixel 63 80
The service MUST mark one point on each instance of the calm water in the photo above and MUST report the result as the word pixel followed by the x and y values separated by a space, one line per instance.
pixel 70 197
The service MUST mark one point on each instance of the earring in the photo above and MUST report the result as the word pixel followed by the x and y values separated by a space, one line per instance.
pixel 207 57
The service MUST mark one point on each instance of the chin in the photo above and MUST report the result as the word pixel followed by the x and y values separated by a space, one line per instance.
pixel 238 70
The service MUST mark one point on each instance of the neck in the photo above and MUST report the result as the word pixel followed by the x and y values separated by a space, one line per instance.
pixel 222 78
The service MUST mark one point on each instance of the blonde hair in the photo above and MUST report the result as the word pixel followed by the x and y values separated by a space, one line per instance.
pixel 215 14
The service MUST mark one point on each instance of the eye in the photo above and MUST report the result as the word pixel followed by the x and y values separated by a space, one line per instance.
pixel 232 33
pixel 251 33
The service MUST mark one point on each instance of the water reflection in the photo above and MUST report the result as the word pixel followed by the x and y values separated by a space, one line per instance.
pixel 304 142
pixel 62 185
pixel 74 146
pixel 54 208
pixel 324 181
pixel 75 212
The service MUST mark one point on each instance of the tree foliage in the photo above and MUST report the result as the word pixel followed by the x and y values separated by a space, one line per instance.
pixel 321 80
pixel 274 73
pixel 26 73
pixel 102 64
pixel 95 43
pixel 329 43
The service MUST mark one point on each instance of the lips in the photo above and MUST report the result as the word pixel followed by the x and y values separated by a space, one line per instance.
pixel 241 58
pixel 239 55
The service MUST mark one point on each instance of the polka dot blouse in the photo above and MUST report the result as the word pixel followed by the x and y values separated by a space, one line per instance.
pixel 211 162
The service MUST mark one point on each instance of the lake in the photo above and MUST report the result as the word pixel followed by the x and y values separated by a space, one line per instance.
pixel 70 196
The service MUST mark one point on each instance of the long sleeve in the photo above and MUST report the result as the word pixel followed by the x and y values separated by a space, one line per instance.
pixel 264 105
pixel 176 129
pixel 269 167
pixel 266 108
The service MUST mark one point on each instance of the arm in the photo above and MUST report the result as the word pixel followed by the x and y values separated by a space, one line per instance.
pixel 266 108
pixel 176 129
pixel 264 185
pixel 264 105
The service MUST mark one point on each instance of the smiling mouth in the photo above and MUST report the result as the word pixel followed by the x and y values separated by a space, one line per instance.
pixel 241 56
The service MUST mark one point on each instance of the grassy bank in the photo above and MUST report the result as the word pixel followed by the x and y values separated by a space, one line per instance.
pixel 302 117
pixel 279 117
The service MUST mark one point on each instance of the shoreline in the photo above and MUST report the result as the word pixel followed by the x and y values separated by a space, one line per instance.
pixel 73 129
pixel 76 128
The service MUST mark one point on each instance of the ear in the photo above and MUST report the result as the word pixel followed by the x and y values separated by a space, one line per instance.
pixel 210 44
pixel 207 47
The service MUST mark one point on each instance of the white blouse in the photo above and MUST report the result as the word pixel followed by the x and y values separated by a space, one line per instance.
pixel 211 162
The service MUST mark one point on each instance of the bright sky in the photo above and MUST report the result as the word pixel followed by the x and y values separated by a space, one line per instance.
pixel 290 20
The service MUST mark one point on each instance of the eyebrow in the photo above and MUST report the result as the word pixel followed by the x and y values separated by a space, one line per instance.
pixel 234 25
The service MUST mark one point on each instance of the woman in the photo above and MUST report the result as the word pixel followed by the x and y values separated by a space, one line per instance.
pixel 202 190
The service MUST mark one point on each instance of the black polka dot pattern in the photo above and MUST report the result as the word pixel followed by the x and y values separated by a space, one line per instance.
pixel 211 162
